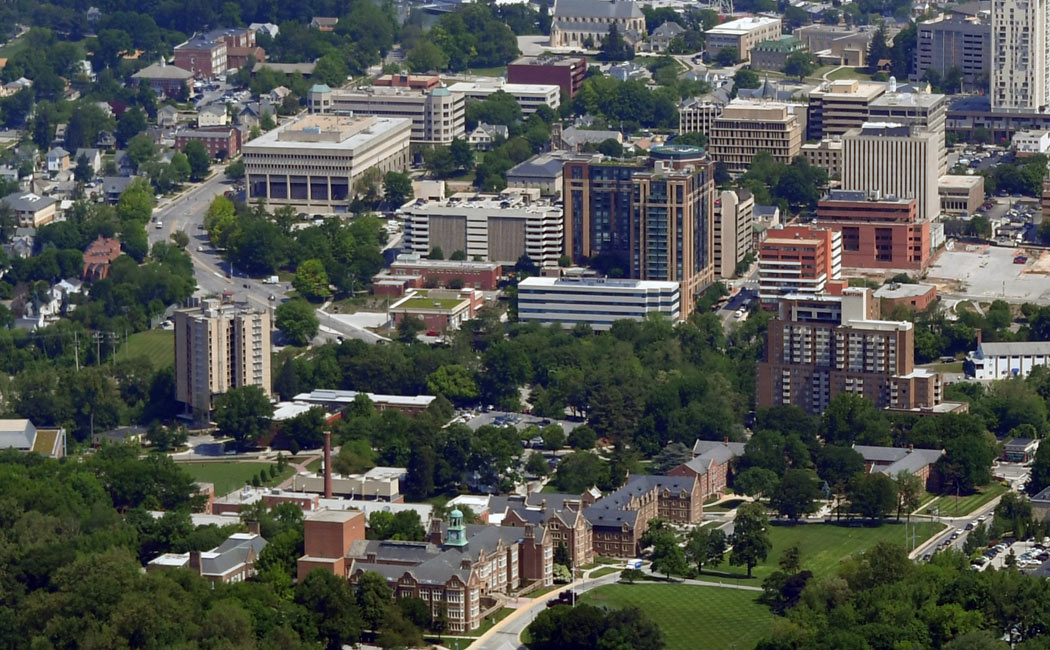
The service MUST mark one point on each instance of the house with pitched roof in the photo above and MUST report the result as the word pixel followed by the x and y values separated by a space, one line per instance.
pixel 229 562
pixel 893 461
pixel 574 21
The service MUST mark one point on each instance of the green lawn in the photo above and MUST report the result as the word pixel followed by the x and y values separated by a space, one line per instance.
pixel 954 366
pixel 229 476
pixel 156 345
pixel 823 547
pixel 691 616
pixel 492 619
pixel 604 571
pixel 948 505
pixel 725 506
pixel 850 73
pixel 498 71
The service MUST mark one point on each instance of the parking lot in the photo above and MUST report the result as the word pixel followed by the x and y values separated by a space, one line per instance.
pixel 989 272
pixel 517 420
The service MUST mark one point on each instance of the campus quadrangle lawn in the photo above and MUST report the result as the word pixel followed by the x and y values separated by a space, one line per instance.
pixel 229 476
pixel 825 546
pixel 692 616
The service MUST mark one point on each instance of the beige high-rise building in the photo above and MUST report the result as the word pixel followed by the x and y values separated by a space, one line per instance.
pixel 746 127
pixel 734 216
pixel 437 115
pixel 896 160
pixel 925 111
pixel 1020 55
pixel 219 346
pixel 838 106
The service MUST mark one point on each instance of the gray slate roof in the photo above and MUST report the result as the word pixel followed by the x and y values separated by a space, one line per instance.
pixel 157 71
pixel 898 459
pixel 596 8
pixel 236 550
pixel 609 510
pixel 25 201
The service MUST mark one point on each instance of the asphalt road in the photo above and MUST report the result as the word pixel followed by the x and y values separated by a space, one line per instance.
pixel 186 212
pixel 506 634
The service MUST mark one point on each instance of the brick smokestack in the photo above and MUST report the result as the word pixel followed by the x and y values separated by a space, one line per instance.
pixel 328 464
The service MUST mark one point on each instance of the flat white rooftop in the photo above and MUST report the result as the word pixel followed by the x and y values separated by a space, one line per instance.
pixel 598 284
pixel 742 25
pixel 351 132
pixel 509 88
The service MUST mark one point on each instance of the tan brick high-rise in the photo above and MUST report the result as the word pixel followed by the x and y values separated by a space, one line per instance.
pixel 218 347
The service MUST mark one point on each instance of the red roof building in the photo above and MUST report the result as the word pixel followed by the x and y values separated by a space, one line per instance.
pixel 98 256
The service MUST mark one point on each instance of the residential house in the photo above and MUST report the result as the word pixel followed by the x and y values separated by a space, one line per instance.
pixel 270 29
pixel 124 164
pixel 662 36
pixel 57 300
pixel 323 23
pixel 628 71
pixel 230 562
pixel 23 435
pixel 167 116
pixel 98 257
pixel 94 159
pixel 22 242
pixel 32 210
pixel 12 87
pixel 57 160
pixel 60 134
pixel 483 135
pixel 711 465
pixel 574 139
pixel 106 141
pixel 278 95
pixel 212 115
pixel 113 187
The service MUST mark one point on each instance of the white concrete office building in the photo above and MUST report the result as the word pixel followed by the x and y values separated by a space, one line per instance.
pixel 742 34
pixel 896 160
pixel 597 302
pixel 1005 360
pixel 437 115
pixel 529 96
pixel 488 228
pixel 1020 55
pixel 315 162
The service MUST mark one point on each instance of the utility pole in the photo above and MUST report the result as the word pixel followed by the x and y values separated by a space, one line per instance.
pixel 76 350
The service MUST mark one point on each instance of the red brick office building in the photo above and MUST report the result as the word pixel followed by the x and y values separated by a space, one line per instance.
pixel 218 141
pixel 877 232
pixel 567 72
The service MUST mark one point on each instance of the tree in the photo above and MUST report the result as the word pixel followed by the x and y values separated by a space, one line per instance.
pixel 562 556
pixel 83 171
pixel 243 413
pixel 455 382
pixel 799 64
pixel 235 170
pixel 610 147
pixel 409 328
pixel 667 556
pixel 836 464
pixel 580 470
pixel 877 49
pixel 311 280
pixel 705 546
pixel 910 489
pixel 537 465
pixel 756 482
pixel 727 56
pixel 694 138
pixel 553 436
pixel 438 162
pixel 670 457
pixel 614 47
pixel 750 536
pixel 967 461
pixel 129 125
pixel 436 253
pixel 330 604
pixel 397 188
pixel 179 167
pixel 872 495
pixel 796 494
pixel 746 78
pixel 1039 477
pixel 354 457
pixel 582 438
pixel 200 161
pixel 297 320
pixel 141 149
pixel 373 598
pixel 426 57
